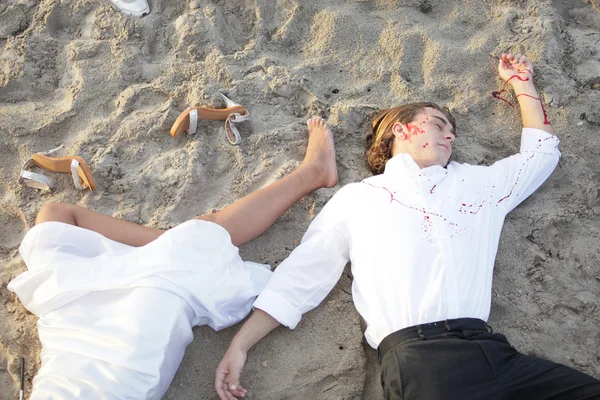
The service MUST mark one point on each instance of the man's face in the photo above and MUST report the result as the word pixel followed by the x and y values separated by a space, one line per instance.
pixel 427 139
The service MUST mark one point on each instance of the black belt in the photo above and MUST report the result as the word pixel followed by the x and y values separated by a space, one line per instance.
pixel 431 329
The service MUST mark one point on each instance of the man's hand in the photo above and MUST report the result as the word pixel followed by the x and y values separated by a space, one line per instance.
pixel 513 69
pixel 227 378
pixel 518 71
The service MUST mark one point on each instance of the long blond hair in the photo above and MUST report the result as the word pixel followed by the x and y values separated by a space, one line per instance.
pixel 380 141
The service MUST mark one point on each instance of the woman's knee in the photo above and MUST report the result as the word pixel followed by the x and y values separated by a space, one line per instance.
pixel 59 212
pixel 212 217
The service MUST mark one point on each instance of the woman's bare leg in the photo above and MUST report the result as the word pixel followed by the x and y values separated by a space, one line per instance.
pixel 250 216
pixel 245 219
pixel 113 228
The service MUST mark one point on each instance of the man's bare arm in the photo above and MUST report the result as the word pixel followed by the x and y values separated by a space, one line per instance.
pixel 518 71
pixel 227 378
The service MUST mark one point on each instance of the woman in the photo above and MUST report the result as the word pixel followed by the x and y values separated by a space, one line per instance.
pixel 116 301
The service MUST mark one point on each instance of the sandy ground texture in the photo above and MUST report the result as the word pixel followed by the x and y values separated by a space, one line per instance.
pixel 108 87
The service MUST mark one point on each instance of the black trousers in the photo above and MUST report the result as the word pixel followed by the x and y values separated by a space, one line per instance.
pixel 463 359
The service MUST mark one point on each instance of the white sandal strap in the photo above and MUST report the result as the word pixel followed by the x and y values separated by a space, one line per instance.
pixel 74 168
pixel 228 101
pixel 34 180
pixel 37 181
pixel 193 122
pixel 233 135
pixel 47 153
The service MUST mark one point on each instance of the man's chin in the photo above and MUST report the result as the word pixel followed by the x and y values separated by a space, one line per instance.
pixel 447 162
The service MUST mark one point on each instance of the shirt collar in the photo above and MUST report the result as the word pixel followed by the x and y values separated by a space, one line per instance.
pixel 403 164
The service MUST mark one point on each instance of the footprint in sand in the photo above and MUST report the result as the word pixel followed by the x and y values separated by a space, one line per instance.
pixel 14 227
pixel 60 23
pixel 140 98
pixel 230 28
pixel 411 66
pixel 15 19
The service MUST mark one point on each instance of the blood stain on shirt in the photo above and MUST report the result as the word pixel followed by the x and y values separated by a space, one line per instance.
pixel 427 223
pixel 513 186
pixel 543 140
pixel 467 211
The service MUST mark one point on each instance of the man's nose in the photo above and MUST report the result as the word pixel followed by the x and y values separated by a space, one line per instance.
pixel 451 137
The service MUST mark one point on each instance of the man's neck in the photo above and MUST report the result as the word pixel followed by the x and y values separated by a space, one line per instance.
pixel 421 163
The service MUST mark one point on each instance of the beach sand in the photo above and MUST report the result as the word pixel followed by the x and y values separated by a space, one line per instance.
pixel 108 87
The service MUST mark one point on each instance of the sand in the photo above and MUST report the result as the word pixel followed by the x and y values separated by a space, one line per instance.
pixel 108 87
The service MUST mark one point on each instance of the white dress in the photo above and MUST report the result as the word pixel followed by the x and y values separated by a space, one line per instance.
pixel 114 320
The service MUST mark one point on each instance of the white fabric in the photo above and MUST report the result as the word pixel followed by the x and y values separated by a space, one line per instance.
pixel 422 241
pixel 74 174
pixel 193 121
pixel 114 320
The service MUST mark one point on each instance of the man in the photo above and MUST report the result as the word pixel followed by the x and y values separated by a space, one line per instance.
pixel 422 236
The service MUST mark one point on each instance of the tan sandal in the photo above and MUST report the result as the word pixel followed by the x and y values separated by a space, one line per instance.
pixel 82 176
pixel 188 119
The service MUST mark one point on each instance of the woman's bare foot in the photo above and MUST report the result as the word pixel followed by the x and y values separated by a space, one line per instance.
pixel 320 153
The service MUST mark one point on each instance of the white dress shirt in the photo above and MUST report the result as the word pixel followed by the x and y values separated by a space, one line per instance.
pixel 422 242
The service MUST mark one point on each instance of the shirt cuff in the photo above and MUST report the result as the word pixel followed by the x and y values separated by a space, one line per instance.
pixel 537 140
pixel 278 307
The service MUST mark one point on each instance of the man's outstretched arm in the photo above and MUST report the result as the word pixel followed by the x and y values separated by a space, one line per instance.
pixel 515 178
pixel 518 72
pixel 227 379
pixel 299 284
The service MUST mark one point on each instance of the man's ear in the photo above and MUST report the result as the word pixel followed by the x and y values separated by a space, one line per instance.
pixel 399 130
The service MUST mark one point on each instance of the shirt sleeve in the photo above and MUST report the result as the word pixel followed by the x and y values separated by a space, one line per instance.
pixel 515 178
pixel 305 278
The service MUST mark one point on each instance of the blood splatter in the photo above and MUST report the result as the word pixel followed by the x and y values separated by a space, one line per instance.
pixel 497 94
pixel 522 71
pixel 427 222
pixel 508 195
pixel 394 199
pixel 414 130
pixel 471 211
pixel 543 140
pixel 518 77
pixel 546 122
pixel 514 185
